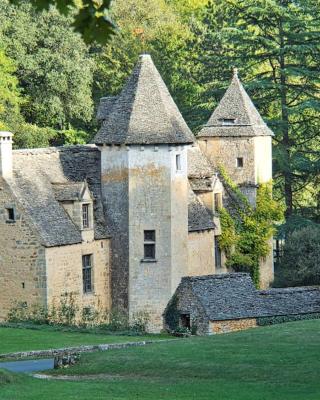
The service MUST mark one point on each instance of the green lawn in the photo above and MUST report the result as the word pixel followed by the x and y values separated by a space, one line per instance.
pixel 279 362
pixel 12 340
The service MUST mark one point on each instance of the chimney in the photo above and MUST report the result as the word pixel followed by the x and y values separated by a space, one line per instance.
pixel 5 154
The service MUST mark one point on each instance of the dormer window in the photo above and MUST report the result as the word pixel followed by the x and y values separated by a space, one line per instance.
pixel 85 216
pixel 228 121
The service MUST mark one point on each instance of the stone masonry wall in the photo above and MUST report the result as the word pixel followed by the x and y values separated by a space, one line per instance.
pixel 232 325
pixel 201 253
pixel 157 201
pixel 22 258
pixel 64 266
pixel 185 302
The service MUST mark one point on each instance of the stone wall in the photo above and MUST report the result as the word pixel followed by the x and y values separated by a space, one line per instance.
pixel 157 201
pixel 232 325
pixel 184 302
pixel 225 151
pixel 22 258
pixel 201 253
pixel 64 271
pixel 115 196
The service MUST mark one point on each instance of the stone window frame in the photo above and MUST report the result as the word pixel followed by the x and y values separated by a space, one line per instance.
pixel 149 242
pixel 89 218
pixel 240 162
pixel 178 164
pixel 87 289
pixel 11 212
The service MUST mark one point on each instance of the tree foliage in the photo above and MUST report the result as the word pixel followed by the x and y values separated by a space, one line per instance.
pixel 247 230
pixel 53 66
pixel 275 44
pixel 300 264
pixel 90 17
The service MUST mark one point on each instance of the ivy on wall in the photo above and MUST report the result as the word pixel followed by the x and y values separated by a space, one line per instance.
pixel 246 232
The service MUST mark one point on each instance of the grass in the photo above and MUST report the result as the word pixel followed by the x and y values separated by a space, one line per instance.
pixel 278 362
pixel 13 340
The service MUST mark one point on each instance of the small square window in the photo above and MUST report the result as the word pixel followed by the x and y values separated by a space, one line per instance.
pixel 149 245
pixel 10 214
pixel 178 162
pixel 240 162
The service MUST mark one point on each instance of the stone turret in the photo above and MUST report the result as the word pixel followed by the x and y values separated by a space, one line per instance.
pixel 143 141
pixel 5 154
pixel 237 138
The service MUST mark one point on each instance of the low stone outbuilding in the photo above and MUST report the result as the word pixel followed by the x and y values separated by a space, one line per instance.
pixel 230 302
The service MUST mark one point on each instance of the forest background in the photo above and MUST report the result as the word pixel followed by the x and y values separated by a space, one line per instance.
pixel 51 77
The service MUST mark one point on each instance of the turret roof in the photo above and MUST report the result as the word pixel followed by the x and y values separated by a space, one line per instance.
pixel 235 115
pixel 144 112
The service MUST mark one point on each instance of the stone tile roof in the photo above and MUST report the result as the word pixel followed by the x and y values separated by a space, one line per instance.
pixel 34 183
pixel 235 115
pixel 198 164
pixel 233 296
pixel 199 218
pixel 105 107
pixel 144 112
pixel 68 191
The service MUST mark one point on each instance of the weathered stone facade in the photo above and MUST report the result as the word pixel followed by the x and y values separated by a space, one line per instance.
pixel 142 202
pixel 22 258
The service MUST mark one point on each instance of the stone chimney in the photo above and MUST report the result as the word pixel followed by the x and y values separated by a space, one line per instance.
pixel 5 154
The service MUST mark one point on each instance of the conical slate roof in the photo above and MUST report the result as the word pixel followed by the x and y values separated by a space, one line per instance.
pixel 235 115
pixel 144 112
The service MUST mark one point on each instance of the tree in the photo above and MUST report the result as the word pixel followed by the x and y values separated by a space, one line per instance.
pixel 275 44
pixel 54 68
pixel 148 26
pixel 90 16
pixel 300 264
pixel 9 92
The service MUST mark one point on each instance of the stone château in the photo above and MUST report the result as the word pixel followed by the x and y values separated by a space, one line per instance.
pixel 118 223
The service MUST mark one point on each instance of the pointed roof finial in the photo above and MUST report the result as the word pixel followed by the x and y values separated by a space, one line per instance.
pixel 235 72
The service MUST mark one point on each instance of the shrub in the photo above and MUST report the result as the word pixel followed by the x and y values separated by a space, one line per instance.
pixel 300 264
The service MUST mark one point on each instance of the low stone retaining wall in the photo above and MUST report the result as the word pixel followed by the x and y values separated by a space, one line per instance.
pixel 78 349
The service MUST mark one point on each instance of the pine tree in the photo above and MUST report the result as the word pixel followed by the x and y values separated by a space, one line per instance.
pixel 276 46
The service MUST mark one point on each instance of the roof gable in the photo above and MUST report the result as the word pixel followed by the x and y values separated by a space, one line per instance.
pixel 144 112
pixel 235 115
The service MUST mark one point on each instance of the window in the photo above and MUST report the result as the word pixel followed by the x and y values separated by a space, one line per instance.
pixel 185 321
pixel 87 273
pixel 228 121
pixel 217 253
pixel 178 162
pixel 149 245
pixel 10 214
pixel 240 162
pixel 85 216
pixel 217 201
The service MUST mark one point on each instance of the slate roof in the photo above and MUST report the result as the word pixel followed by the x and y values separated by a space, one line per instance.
pixel 198 164
pixel 105 107
pixel 199 218
pixel 235 105
pixel 71 191
pixel 233 296
pixel 144 112
pixel 36 175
